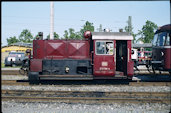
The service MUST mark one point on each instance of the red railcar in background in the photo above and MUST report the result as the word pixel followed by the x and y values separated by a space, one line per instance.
pixel 161 49
pixel 101 55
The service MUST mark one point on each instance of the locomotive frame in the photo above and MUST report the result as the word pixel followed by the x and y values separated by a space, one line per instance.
pixel 82 59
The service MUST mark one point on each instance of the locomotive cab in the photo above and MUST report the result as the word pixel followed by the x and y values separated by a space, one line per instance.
pixel 112 55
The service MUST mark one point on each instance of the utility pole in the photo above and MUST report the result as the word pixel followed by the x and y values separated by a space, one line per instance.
pixel 100 28
pixel 129 24
pixel 51 21
pixel 129 28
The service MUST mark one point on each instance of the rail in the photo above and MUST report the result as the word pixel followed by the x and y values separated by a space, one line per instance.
pixel 25 83
pixel 85 96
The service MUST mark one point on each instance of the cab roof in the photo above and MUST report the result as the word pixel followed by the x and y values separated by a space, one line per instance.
pixel 112 36
pixel 165 28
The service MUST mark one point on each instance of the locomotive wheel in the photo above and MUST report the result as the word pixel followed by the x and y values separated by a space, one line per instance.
pixel 33 78
pixel 153 68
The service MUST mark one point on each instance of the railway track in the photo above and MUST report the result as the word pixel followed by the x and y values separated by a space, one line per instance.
pixel 85 96
pixel 14 82
pixel 25 83
pixel 10 71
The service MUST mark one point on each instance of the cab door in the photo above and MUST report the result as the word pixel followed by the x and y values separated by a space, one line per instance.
pixel 104 62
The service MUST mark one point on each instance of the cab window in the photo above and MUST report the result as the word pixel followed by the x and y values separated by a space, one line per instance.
pixel 154 43
pixel 104 47
pixel 160 39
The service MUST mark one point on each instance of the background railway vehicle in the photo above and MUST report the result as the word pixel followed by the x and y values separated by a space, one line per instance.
pixel 144 57
pixel 134 56
pixel 161 49
pixel 14 58
pixel 141 57
pixel 100 55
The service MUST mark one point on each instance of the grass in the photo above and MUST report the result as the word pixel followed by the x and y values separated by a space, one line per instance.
pixel 3 66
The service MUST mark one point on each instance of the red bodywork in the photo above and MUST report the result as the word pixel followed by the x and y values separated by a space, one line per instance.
pixel 58 49
pixel 104 65
pixel 130 63
pixel 36 65
pixel 167 58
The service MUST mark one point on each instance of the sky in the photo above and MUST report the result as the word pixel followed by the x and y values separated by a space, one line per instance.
pixel 35 16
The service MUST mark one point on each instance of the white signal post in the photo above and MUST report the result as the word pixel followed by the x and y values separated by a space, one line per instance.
pixel 51 20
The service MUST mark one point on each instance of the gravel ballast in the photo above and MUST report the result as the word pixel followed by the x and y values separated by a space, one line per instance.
pixel 17 107
pixel 13 107
pixel 91 88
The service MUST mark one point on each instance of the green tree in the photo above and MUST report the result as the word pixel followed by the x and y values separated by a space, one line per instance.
pixel 65 34
pixel 134 35
pixel 147 32
pixel 26 36
pixel 88 26
pixel 78 35
pixel 12 40
pixel 56 36
pixel 71 34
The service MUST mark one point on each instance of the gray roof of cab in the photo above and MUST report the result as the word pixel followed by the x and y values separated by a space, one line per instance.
pixel 111 33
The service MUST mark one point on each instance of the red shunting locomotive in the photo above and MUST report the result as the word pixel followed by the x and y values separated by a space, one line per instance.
pixel 100 55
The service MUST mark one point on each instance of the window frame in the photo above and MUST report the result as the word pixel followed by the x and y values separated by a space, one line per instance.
pixel 105 48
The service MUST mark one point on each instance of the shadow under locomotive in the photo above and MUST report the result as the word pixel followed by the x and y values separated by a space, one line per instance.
pixel 85 82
